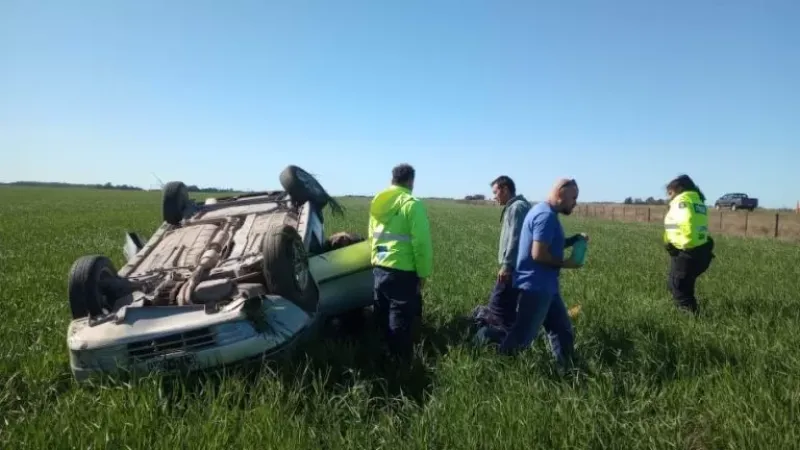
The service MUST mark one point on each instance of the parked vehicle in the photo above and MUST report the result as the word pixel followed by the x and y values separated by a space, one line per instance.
pixel 736 201
pixel 230 279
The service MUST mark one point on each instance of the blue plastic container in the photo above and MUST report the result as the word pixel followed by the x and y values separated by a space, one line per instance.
pixel 579 251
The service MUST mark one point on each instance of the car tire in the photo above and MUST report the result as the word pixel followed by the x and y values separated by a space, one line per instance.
pixel 304 187
pixel 285 267
pixel 174 202
pixel 85 286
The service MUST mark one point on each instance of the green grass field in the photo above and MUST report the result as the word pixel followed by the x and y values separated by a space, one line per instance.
pixel 655 378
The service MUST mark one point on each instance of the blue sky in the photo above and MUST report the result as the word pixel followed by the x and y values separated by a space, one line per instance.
pixel 620 94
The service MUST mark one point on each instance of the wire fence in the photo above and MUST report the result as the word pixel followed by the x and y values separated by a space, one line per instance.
pixel 783 226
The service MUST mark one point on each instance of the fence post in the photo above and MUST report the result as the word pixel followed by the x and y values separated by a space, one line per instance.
pixel 746 222
pixel 777 221
pixel 720 221
pixel 648 214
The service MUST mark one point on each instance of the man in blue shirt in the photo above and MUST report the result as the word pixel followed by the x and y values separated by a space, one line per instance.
pixel 536 275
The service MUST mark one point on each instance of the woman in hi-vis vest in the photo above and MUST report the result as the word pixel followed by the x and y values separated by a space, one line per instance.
pixel 687 240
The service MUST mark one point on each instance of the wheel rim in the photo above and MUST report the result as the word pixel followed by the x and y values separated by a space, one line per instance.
pixel 102 298
pixel 300 267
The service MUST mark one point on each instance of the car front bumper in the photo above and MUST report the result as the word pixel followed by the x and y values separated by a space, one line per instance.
pixel 187 349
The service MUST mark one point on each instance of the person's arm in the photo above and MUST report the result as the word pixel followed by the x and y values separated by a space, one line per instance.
pixel 668 221
pixel 680 216
pixel 570 241
pixel 421 239
pixel 543 234
pixel 370 230
pixel 513 220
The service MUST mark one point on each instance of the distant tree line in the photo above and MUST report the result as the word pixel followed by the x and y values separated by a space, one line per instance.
pixel 475 197
pixel 647 201
pixel 194 188
pixel 58 184
pixel 119 187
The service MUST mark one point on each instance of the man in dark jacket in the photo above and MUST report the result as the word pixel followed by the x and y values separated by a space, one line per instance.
pixel 501 310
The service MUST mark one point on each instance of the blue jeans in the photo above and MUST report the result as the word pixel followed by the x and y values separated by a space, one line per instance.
pixel 536 309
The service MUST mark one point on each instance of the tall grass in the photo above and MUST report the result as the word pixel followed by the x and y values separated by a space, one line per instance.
pixel 654 378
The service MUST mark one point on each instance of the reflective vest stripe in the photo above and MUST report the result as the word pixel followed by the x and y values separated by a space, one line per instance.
pixel 675 226
pixel 391 236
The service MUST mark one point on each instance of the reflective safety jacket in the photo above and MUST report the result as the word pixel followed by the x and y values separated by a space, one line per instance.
pixel 686 222
pixel 399 232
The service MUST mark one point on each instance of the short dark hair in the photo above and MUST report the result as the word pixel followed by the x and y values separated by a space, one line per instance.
pixel 683 183
pixel 402 174
pixel 505 181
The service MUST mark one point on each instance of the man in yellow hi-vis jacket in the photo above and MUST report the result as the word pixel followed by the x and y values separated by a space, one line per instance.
pixel 687 240
pixel 402 258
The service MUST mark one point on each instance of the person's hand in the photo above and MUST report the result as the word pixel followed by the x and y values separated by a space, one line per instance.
pixel 504 274
pixel 571 264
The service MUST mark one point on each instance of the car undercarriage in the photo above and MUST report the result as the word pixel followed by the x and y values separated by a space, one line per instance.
pixel 257 261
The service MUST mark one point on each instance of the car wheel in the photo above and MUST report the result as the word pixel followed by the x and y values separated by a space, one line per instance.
pixel 174 202
pixel 285 267
pixel 304 187
pixel 87 295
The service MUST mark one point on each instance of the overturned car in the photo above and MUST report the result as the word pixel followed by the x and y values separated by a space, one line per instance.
pixel 226 280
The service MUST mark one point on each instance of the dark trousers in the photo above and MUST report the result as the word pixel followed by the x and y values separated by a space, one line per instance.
pixel 398 306
pixel 685 267
pixel 503 303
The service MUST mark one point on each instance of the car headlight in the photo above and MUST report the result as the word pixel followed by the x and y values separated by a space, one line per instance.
pixel 232 332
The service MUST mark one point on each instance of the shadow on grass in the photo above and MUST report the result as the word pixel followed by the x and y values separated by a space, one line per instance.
pixel 337 360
